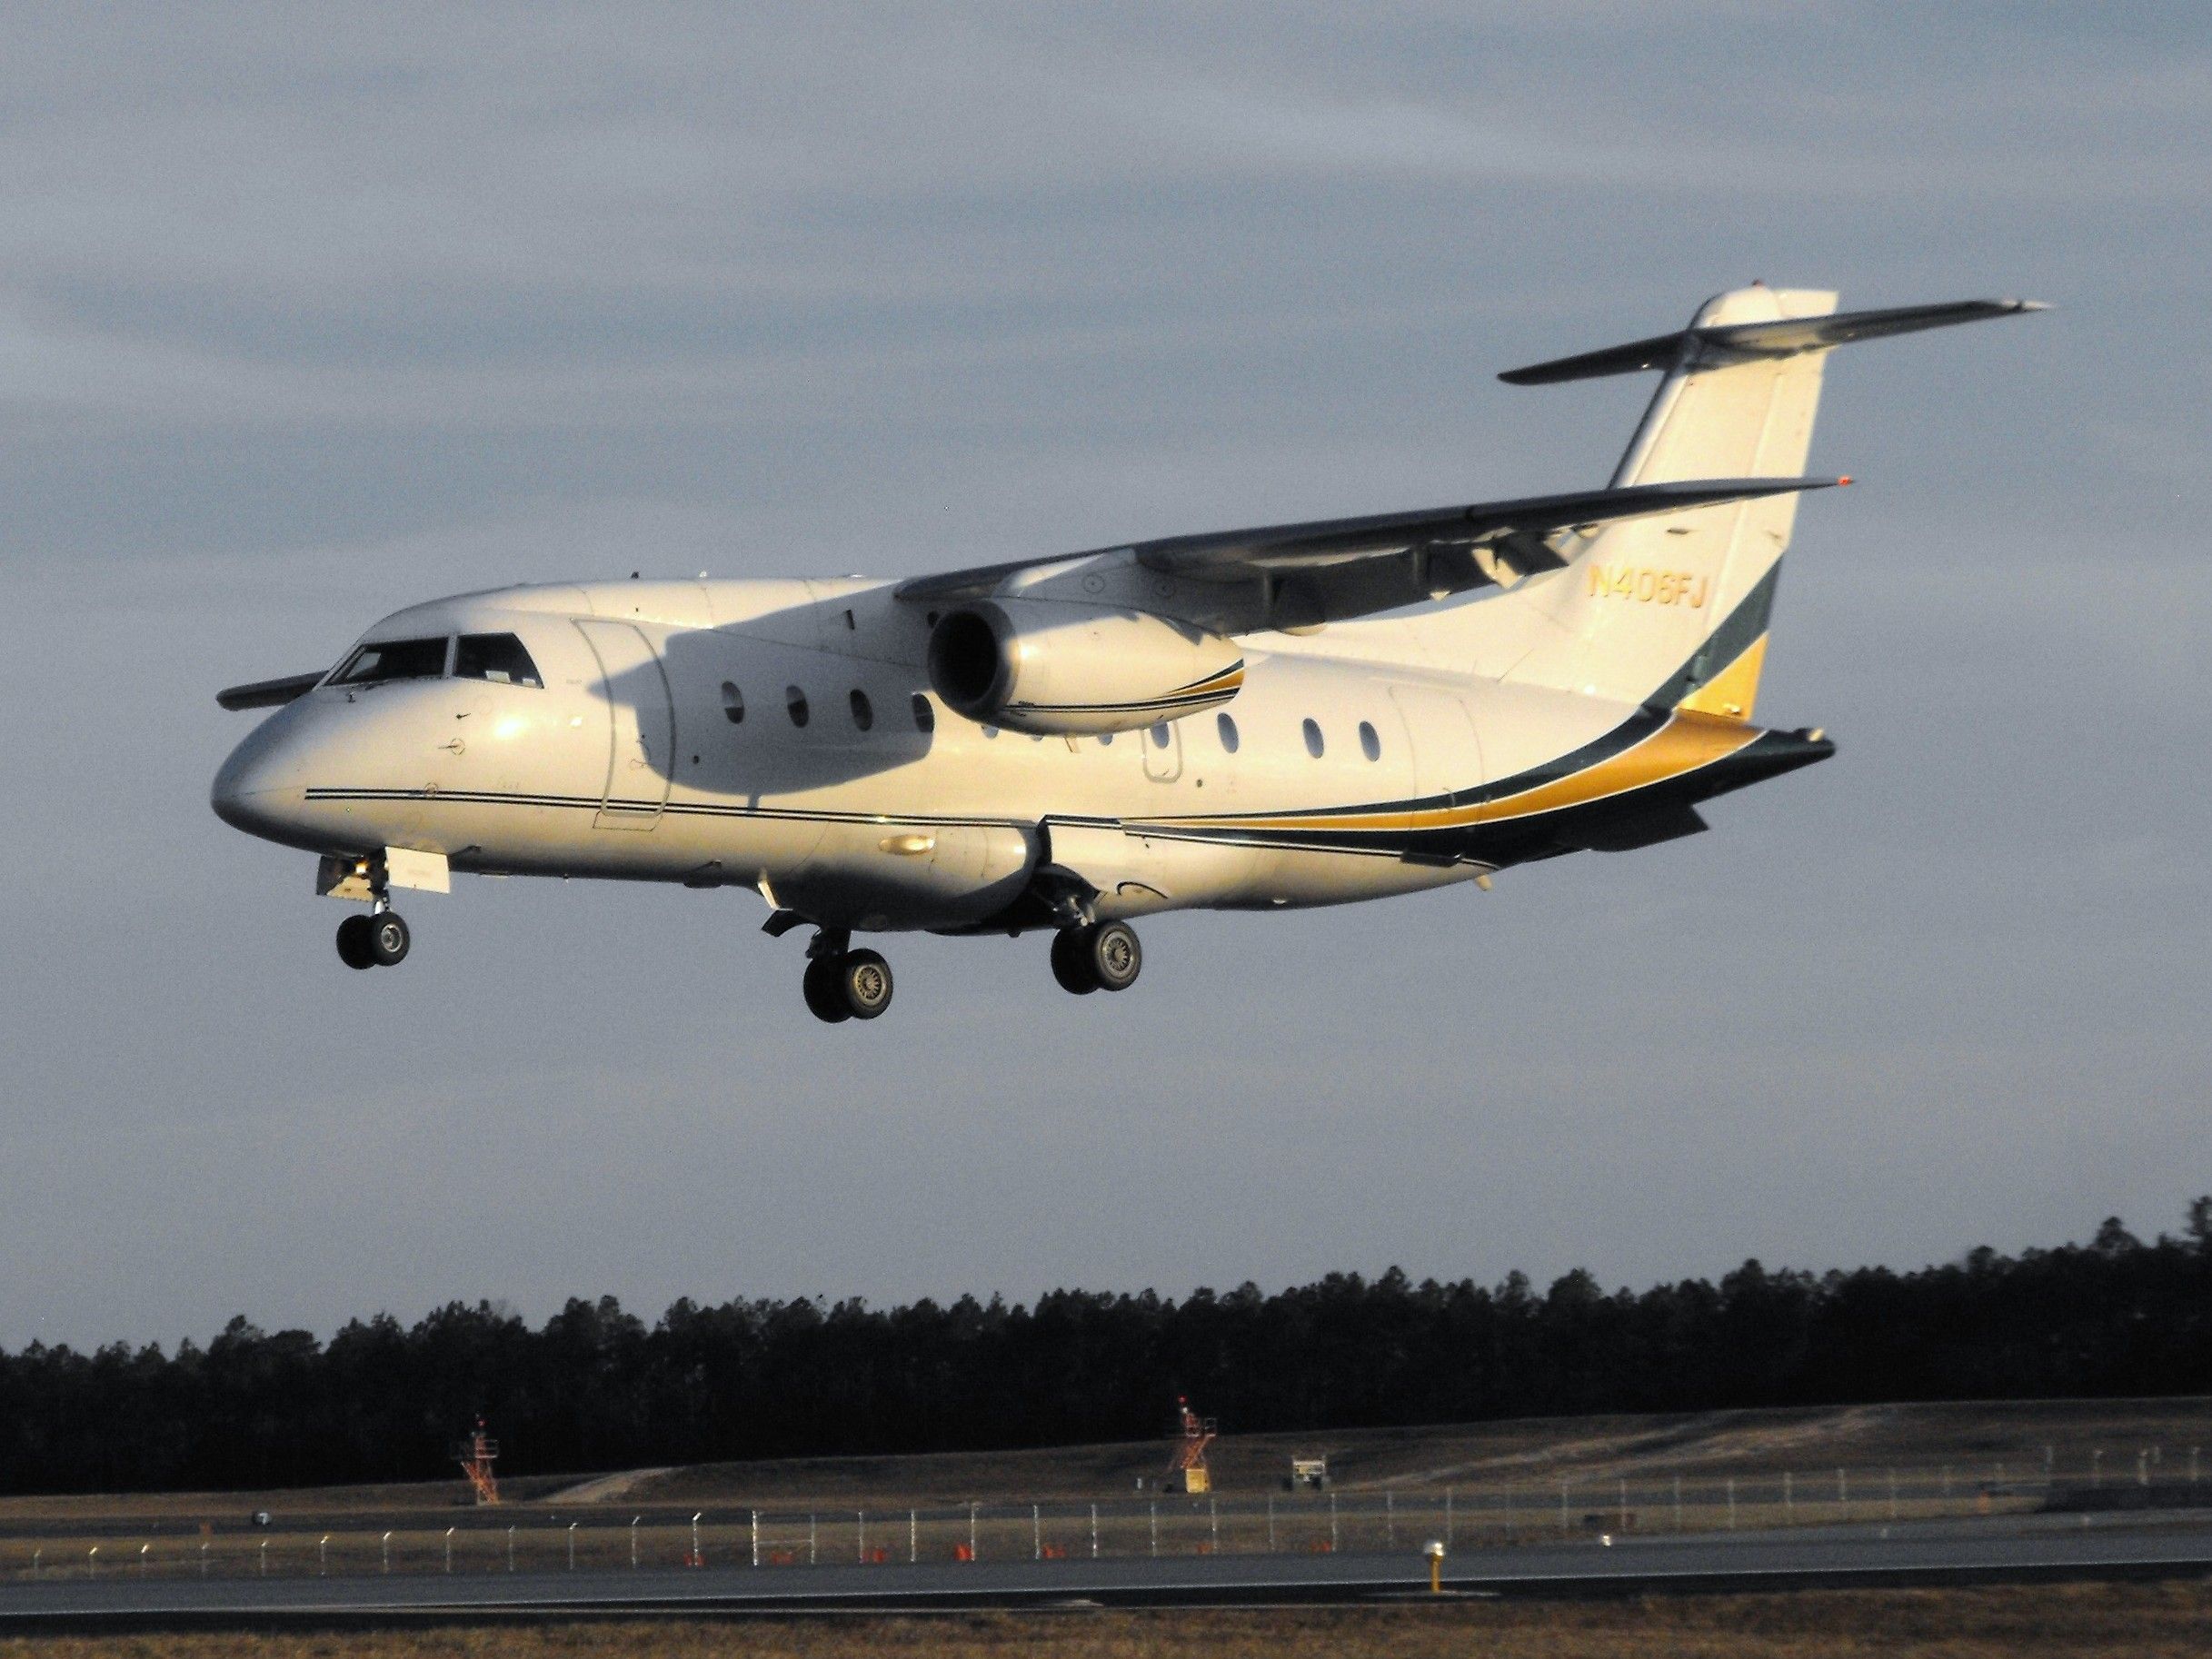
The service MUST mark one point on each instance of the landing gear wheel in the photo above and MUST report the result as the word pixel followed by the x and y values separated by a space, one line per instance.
pixel 825 998
pixel 863 979
pixel 1071 961
pixel 388 940
pixel 355 948
pixel 1115 955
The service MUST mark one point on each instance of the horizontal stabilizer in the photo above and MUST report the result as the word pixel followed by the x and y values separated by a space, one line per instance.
pixel 1751 340
pixel 270 693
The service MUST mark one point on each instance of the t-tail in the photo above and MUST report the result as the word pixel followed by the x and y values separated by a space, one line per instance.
pixel 1673 610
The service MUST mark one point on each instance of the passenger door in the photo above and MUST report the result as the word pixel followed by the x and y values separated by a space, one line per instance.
pixel 640 726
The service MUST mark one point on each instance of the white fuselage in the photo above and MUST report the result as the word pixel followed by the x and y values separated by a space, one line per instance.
pixel 780 735
pixel 1284 715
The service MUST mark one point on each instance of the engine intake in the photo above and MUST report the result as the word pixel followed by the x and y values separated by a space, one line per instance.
pixel 1052 667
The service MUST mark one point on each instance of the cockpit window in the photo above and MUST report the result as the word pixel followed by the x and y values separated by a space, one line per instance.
pixel 393 659
pixel 495 656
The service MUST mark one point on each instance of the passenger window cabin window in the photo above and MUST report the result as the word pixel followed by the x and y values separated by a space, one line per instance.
pixel 1370 745
pixel 394 659
pixel 732 703
pixel 1161 737
pixel 925 717
pixel 1313 739
pixel 795 701
pixel 497 657
pixel 864 713
pixel 1228 729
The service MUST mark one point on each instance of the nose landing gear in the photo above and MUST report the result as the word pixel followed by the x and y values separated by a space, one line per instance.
pixel 1104 956
pixel 380 941
pixel 842 983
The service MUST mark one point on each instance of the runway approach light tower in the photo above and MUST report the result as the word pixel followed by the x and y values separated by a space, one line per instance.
pixel 476 1455
pixel 1187 1469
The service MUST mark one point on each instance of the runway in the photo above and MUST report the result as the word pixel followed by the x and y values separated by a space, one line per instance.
pixel 1947 1553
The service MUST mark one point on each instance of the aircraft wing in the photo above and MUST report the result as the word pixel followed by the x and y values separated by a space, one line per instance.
pixel 1301 575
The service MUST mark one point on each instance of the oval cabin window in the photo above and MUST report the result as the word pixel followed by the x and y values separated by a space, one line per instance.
pixel 794 700
pixel 732 704
pixel 1314 738
pixel 1228 729
pixel 925 717
pixel 864 713
pixel 1369 744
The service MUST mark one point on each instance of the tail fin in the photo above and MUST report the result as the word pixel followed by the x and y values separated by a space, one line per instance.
pixel 1673 611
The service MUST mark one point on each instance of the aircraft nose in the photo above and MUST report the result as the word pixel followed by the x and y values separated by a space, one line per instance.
pixel 262 787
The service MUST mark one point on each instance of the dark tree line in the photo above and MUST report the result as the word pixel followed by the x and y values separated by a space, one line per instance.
pixel 597 1388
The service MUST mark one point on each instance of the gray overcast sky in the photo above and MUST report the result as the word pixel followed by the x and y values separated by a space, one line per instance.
pixel 306 315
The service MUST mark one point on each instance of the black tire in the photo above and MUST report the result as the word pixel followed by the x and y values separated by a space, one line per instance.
pixel 825 998
pixel 1115 956
pixel 355 948
pixel 864 980
pixel 388 940
pixel 1071 961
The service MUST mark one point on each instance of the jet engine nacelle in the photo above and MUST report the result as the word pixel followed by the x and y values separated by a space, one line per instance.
pixel 1053 667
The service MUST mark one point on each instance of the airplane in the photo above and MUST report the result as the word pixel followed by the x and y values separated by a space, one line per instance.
pixel 1253 720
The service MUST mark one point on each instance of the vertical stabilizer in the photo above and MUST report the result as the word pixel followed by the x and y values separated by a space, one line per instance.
pixel 1669 610
pixel 1674 610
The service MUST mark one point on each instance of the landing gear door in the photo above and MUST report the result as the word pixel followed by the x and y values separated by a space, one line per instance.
pixel 640 726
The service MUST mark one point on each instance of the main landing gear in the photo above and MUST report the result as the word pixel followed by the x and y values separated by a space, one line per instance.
pixel 380 941
pixel 1104 956
pixel 842 983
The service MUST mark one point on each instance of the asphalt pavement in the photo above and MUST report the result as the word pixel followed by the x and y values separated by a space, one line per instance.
pixel 1997 1551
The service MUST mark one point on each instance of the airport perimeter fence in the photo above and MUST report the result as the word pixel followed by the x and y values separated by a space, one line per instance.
pixel 535 1537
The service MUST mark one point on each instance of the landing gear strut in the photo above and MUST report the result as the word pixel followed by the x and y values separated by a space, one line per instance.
pixel 380 941
pixel 842 983
pixel 1104 956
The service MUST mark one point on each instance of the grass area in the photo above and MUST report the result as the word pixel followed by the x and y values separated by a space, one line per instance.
pixel 1977 1436
pixel 2019 1622
pixel 1982 1442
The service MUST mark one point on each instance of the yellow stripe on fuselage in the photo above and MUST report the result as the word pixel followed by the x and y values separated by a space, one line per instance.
pixel 1684 744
